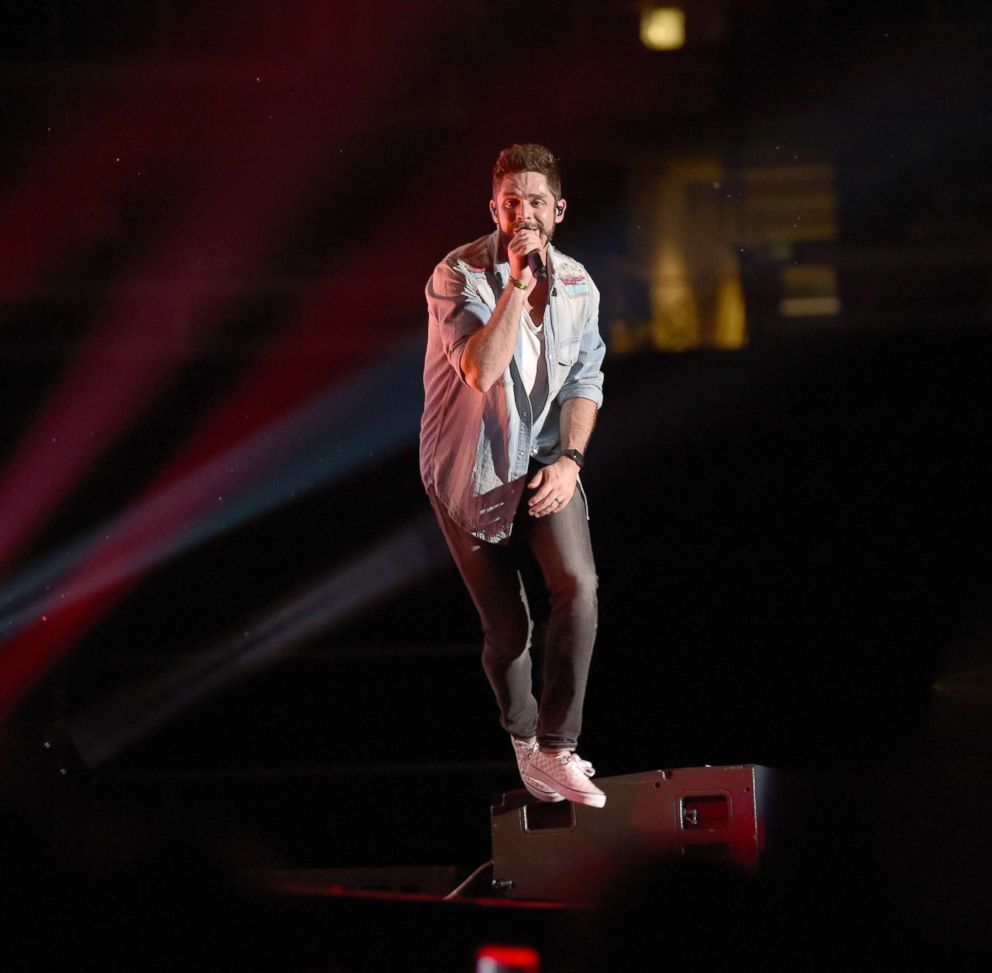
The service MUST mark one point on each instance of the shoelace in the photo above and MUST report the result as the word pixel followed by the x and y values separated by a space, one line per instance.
pixel 584 765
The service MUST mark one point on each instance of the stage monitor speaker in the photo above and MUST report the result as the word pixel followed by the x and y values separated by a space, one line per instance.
pixel 567 852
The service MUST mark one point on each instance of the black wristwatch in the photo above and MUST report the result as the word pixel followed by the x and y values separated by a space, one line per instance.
pixel 575 456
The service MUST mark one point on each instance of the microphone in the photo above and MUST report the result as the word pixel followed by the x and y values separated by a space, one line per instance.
pixel 534 260
pixel 536 265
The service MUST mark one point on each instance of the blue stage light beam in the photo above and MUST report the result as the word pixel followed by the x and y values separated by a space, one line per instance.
pixel 139 710
pixel 367 418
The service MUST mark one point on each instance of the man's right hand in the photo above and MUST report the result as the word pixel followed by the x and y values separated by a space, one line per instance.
pixel 523 242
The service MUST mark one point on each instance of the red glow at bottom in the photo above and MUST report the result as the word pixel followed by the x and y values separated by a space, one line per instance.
pixel 507 959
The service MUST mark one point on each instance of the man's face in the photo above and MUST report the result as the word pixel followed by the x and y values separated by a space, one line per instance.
pixel 525 199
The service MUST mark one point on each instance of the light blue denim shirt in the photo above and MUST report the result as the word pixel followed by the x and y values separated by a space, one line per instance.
pixel 475 447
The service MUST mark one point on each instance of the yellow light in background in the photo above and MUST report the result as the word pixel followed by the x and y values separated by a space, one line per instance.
pixel 809 290
pixel 697 299
pixel 663 28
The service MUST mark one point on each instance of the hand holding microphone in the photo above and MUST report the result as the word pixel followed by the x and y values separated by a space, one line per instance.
pixel 534 259
pixel 525 245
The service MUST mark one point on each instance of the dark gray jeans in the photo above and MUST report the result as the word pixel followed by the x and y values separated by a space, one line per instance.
pixel 562 549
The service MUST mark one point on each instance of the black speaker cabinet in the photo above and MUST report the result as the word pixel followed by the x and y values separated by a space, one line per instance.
pixel 565 851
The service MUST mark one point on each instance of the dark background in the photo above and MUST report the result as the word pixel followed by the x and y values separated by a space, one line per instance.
pixel 217 221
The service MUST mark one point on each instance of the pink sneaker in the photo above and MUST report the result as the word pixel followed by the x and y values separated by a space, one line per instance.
pixel 566 774
pixel 525 749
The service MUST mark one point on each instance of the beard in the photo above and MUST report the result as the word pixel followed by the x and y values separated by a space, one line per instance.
pixel 545 232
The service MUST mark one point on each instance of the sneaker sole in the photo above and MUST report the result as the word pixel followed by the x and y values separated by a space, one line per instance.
pixel 596 799
pixel 541 791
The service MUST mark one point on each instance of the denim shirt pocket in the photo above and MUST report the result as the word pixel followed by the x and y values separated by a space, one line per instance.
pixel 566 355
pixel 568 349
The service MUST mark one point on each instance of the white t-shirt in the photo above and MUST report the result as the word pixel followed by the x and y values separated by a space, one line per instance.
pixel 534 367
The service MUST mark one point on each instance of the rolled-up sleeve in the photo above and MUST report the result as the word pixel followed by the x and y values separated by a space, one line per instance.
pixel 456 310
pixel 585 379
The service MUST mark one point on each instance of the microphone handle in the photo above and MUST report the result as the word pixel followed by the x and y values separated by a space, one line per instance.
pixel 536 265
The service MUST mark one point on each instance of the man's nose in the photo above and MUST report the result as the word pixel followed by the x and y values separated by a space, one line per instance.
pixel 525 214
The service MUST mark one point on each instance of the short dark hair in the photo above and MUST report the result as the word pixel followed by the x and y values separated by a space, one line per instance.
pixel 528 157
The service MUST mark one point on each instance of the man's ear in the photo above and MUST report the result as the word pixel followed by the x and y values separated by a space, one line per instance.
pixel 560 210
pixel 492 211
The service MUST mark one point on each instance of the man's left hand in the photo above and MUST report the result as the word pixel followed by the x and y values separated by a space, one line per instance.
pixel 553 487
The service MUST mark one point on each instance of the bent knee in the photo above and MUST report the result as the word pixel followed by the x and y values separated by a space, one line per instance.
pixel 577 591
pixel 508 638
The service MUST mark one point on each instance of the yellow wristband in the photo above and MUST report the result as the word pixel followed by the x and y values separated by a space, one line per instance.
pixel 518 284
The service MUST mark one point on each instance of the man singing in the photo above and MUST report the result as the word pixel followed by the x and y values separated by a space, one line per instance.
pixel 512 385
